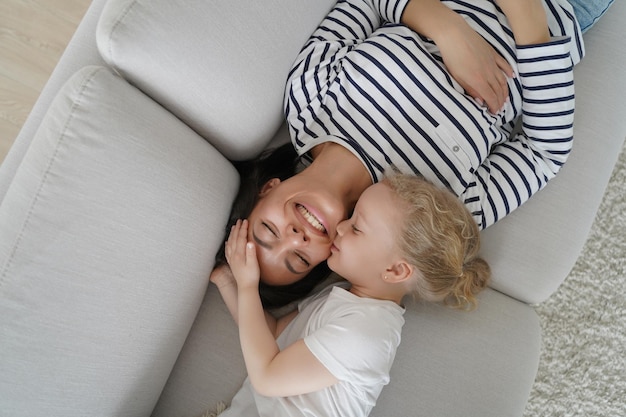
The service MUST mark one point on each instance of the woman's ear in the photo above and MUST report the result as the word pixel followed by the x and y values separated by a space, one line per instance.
pixel 269 186
pixel 399 271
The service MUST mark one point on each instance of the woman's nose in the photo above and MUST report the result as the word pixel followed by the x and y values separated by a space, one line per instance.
pixel 296 236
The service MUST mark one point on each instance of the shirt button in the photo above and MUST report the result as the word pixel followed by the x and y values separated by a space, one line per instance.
pixel 455 148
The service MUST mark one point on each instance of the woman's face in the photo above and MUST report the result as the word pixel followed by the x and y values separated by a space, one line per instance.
pixel 293 226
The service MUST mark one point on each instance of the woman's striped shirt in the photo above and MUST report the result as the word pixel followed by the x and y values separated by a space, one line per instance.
pixel 374 86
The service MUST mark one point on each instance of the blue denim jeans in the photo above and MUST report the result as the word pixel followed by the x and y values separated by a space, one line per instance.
pixel 589 11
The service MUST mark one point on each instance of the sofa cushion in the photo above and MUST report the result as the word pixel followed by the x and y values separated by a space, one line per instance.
pixel 107 238
pixel 220 66
pixel 79 53
pixel 449 363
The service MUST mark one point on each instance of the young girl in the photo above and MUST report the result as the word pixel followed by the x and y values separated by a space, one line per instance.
pixel 333 355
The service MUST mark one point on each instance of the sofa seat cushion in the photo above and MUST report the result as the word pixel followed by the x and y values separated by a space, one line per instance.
pixel 220 66
pixel 107 238
pixel 449 363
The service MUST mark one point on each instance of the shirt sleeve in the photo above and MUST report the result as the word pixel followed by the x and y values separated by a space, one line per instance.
pixel 518 168
pixel 356 347
pixel 348 24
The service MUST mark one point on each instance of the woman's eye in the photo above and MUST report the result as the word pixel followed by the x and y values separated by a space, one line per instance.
pixel 267 226
pixel 304 261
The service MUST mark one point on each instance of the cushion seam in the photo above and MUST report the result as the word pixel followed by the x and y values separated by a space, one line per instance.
pixel 114 29
pixel 45 175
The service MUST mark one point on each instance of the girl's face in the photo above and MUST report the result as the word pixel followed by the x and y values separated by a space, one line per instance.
pixel 293 226
pixel 365 245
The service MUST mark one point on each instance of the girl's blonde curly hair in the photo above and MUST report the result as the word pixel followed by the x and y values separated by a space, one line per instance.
pixel 442 240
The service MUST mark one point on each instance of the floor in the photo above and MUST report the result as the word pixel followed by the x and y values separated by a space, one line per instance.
pixel 33 35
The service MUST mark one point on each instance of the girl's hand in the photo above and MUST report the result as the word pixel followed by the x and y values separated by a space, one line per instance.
pixel 241 256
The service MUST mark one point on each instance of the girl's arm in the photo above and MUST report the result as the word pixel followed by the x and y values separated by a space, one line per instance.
pixel 223 279
pixel 225 282
pixel 272 372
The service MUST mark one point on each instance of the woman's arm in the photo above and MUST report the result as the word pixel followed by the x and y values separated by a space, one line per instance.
pixel 471 61
pixel 272 372
pixel 517 168
pixel 527 19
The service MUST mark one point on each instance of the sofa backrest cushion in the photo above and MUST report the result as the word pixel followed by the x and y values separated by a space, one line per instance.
pixel 220 66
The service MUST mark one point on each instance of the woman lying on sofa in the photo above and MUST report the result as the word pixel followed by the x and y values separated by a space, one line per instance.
pixel 368 92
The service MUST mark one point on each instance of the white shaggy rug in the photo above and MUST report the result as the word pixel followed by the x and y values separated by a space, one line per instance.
pixel 582 371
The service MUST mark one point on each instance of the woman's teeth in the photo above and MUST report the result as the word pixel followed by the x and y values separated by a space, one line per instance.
pixel 313 221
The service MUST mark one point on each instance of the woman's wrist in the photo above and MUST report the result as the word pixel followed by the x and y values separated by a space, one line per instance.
pixel 527 19
pixel 430 18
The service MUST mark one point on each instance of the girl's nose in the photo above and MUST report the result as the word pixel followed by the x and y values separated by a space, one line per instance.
pixel 341 227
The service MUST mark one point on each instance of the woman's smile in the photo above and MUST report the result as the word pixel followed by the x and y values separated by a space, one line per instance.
pixel 311 219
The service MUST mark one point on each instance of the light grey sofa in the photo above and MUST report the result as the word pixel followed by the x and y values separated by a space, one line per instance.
pixel 114 196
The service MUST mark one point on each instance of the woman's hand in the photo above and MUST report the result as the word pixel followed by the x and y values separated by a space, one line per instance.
pixel 469 58
pixel 241 256
pixel 476 66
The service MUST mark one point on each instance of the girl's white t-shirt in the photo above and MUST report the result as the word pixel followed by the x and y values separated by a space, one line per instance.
pixel 354 338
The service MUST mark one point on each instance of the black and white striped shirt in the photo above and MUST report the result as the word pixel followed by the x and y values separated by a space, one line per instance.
pixel 374 86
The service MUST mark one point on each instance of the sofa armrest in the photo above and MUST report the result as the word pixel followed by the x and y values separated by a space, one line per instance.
pixel 107 237
pixel 80 52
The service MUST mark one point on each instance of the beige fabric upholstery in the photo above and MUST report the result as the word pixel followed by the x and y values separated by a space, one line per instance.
pixel 112 206
pixel 107 234
pixel 220 66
